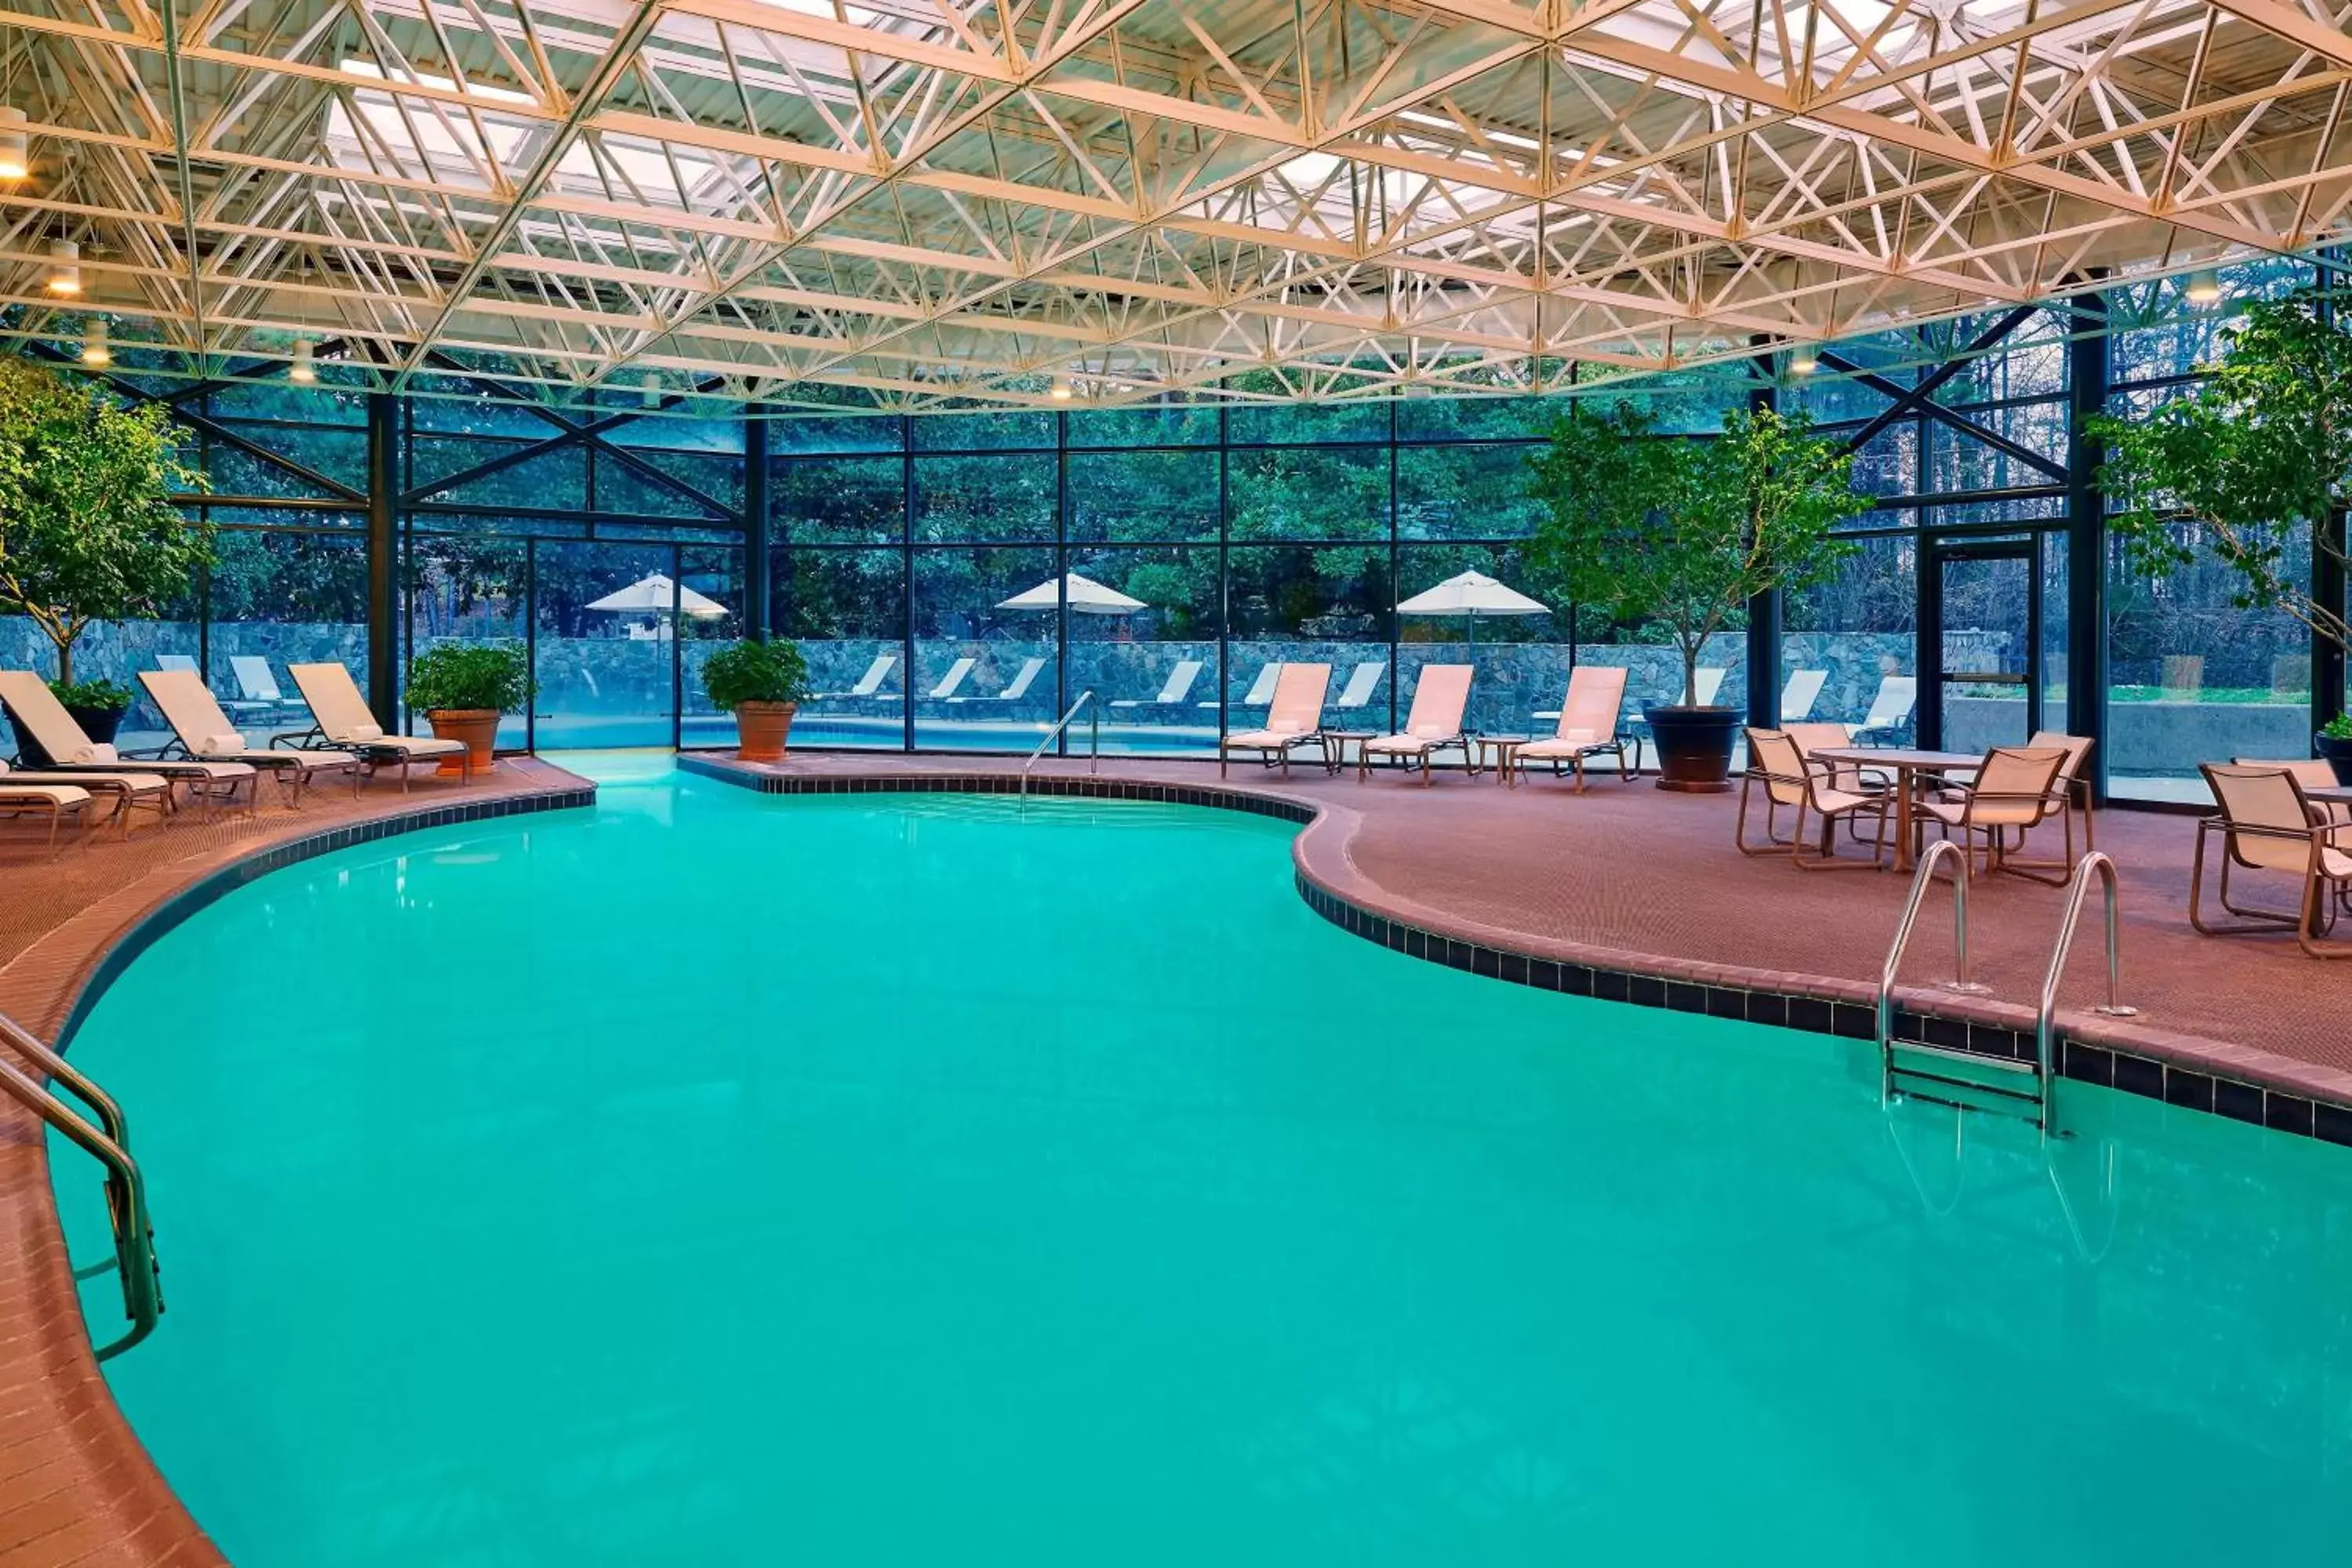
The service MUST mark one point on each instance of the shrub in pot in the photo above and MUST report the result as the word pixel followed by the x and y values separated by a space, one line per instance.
pixel 465 689
pixel 98 705
pixel 1678 535
pixel 2334 742
pixel 762 683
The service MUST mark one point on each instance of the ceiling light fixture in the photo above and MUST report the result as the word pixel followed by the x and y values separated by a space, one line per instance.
pixel 1803 361
pixel 65 266
pixel 1060 391
pixel 649 390
pixel 15 163
pixel 94 351
pixel 305 368
pixel 2205 287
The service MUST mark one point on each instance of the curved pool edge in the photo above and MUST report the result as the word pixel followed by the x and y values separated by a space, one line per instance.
pixel 75 1483
pixel 2239 1083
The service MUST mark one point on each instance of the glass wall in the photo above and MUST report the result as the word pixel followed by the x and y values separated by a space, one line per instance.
pixel 956 581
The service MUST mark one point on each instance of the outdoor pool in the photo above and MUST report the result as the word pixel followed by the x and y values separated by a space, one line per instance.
pixel 884 1181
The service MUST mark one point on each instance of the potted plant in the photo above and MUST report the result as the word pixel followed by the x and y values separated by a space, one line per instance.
pixel 90 531
pixel 763 683
pixel 2264 443
pixel 465 689
pixel 1681 534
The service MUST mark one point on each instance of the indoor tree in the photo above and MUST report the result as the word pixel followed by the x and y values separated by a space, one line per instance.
pixel 88 530
pixel 1682 533
pixel 2231 469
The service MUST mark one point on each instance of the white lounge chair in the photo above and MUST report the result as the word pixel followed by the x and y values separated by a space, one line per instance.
pixel 257 688
pixel 203 734
pixel 1015 689
pixel 70 751
pixel 1441 695
pixel 1362 681
pixel 341 722
pixel 176 662
pixel 127 790
pixel 868 684
pixel 1179 687
pixel 952 680
pixel 1890 710
pixel 1798 697
pixel 1706 682
pixel 57 802
pixel 1261 691
pixel 1296 720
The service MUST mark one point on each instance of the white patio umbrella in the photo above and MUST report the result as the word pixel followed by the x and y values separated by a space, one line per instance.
pixel 655 596
pixel 1087 597
pixel 1471 596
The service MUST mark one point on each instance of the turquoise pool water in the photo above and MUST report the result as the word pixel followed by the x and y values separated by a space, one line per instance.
pixel 882 1181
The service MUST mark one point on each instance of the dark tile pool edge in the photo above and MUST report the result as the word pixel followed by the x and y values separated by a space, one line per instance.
pixel 177 907
pixel 2198 1084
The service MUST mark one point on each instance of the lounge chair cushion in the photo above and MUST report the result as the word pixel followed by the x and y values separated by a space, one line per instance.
pixel 1415 743
pixel 1268 739
pixel 416 745
pixel 1569 745
pixel 54 795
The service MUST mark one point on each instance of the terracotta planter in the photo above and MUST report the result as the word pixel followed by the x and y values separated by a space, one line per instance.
pixel 478 727
pixel 762 729
pixel 1694 747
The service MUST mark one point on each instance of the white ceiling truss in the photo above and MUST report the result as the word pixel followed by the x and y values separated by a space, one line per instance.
pixel 916 203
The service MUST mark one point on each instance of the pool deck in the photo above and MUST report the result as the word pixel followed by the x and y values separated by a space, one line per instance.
pixel 1636 892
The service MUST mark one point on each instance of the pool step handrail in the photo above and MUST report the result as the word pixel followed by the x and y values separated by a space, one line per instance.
pixel 2078 888
pixel 107 1140
pixel 1939 1081
pixel 1093 742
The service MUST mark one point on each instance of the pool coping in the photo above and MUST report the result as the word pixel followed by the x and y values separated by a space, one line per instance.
pixel 44 1326
pixel 2242 1083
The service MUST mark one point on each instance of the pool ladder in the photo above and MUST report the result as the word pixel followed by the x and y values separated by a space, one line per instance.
pixel 107 1139
pixel 1915 1069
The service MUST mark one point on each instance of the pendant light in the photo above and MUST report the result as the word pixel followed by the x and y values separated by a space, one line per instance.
pixel 305 368
pixel 1060 391
pixel 649 390
pixel 1803 361
pixel 15 160
pixel 2204 288
pixel 94 349
pixel 65 266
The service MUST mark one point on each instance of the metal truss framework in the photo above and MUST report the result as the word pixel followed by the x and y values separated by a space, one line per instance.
pixel 919 203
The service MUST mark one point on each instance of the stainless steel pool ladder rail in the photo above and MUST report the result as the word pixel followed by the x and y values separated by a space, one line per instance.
pixel 2078 888
pixel 107 1140
pixel 1093 742
pixel 1946 1084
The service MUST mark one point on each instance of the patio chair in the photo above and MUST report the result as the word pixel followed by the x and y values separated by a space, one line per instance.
pixel 1362 681
pixel 202 732
pixel 341 722
pixel 1261 691
pixel 868 684
pixel 57 802
pixel 1798 697
pixel 1792 779
pixel 2267 824
pixel 126 792
pixel 1171 695
pixel 952 680
pixel 2070 792
pixel 1823 735
pixel 1588 726
pixel 2012 788
pixel 1890 711
pixel 1296 719
pixel 1440 698
pixel 71 753
pixel 2310 773
pixel 176 662
pixel 1015 689
pixel 257 688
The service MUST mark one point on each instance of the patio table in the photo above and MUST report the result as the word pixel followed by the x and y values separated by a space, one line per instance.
pixel 1907 766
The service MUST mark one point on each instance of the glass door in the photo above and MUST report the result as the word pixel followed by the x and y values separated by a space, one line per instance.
pixel 1980 644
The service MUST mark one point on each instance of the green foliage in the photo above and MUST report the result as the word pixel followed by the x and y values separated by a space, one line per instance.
pixel 87 528
pixel 2339 728
pixel 1681 534
pixel 752 671
pixel 2262 446
pixel 453 677
pixel 103 695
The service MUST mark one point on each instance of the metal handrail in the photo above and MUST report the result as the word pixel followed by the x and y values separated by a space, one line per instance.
pixel 1919 882
pixel 126 1190
pixel 2078 888
pixel 1093 743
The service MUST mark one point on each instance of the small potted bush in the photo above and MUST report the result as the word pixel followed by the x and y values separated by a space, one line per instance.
pixel 762 683
pixel 465 689
pixel 2334 741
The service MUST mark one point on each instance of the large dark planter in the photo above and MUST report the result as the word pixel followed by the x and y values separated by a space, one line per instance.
pixel 99 723
pixel 2338 755
pixel 1694 747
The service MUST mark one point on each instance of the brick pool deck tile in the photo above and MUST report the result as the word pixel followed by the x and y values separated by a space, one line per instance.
pixel 1625 883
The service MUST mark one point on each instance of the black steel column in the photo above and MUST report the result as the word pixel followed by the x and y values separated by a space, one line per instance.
pixel 1764 609
pixel 756 609
pixel 2086 538
pixel 2327 550
pixel 383 543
